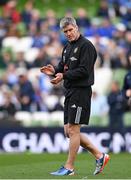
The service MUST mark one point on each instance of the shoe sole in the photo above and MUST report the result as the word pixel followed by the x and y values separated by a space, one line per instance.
pixel 71 174
pixel 106 159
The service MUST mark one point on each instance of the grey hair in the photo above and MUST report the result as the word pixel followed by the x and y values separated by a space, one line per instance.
pixel 67 21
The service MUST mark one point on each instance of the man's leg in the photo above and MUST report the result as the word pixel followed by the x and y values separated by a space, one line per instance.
pixel 86 143
pixel 74 143
pixel 101 159
pixel 73 132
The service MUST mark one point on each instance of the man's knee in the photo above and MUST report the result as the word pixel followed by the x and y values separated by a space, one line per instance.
pixel 73 129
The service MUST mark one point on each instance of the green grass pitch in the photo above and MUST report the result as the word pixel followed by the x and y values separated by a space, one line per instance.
pixel 39 166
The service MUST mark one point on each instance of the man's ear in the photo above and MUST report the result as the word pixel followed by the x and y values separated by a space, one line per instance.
pixel 77 28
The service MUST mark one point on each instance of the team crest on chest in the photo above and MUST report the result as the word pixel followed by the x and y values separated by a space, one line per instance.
pixel 76 49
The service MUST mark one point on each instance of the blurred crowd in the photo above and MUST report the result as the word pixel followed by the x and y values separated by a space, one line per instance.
pixel 29 40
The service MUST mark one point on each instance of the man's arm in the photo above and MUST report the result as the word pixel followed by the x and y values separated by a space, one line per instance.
pixel 52 71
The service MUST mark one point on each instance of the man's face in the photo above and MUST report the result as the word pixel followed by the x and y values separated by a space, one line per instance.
pixel 22 78
pixel 71 32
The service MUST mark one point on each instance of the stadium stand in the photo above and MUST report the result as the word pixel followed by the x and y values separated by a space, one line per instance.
pixel 41 119
pixel 24 117
pixel 30 38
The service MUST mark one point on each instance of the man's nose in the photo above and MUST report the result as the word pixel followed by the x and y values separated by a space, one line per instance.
pixel 68 33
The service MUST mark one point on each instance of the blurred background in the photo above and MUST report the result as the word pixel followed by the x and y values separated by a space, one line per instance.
pixel 30 38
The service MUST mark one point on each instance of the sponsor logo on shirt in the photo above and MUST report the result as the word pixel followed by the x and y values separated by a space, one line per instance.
pixel 73 59
pixel 73 106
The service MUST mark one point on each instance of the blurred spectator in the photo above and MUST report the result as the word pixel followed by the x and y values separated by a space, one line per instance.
pixel 41 59
pixel 6 58
pixel 92 30
pixel 69 12
pixel 103 10
pixel 53 48
pixel 36 18
pixel 127 87
pixel 83 20
pixel 126 18
pixel 26 93
pixel 20 61
pixel 103 52
pixel 129 60
pixel 8 108
pixel 44 29
pixel 8 102
pixel 44 84
pixel 106 29
pixel 116 107
pixel 45 89
pixel 3 88
pixel 10 13
pixel 12 30
pixel 38 40
pixel 32 29
pixel 27 12
pixel 57 107
pixel 119 34
pixel 128 41
pixel 52 20
pixel 120 6
pixel 99 105
pixel 11 76
pixel 2 30
pixel 114 6
pixel 120 60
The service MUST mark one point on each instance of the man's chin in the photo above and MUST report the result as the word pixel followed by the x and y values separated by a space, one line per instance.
pixel 71 40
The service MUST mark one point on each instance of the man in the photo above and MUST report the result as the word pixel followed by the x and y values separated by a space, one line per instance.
pixel 127 89
pixel 77 70
pixel 116 103
pixel 26 94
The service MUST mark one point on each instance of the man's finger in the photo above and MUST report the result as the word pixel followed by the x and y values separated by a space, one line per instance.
pixel 42 68
pixel 49 65
pixel 53 80
pixel 53 83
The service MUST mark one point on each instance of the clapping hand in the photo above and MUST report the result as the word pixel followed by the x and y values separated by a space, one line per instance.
pixel 58 78
pixel 48 70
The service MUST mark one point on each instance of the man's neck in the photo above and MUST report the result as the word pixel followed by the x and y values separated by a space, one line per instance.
pixel 78 35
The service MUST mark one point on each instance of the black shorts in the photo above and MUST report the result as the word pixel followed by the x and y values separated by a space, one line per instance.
pixel 77 106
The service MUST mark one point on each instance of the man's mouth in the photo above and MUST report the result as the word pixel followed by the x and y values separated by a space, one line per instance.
pixel 69 37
